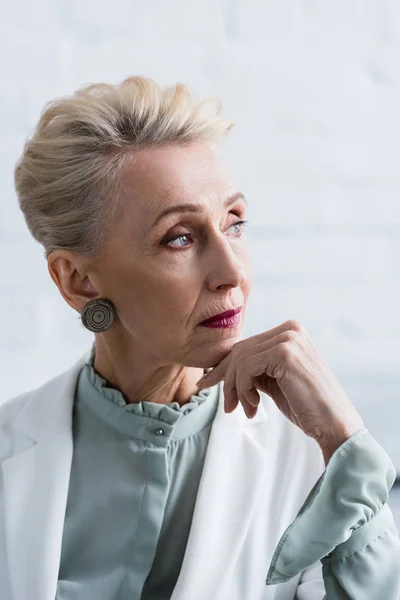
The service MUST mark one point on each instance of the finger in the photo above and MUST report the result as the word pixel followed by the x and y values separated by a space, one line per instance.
pixel 252 396
pixel 249 410
pixel 273 359
pixel 231 399
pixel 248 407
pixel 216 375
pixel 232 402
pixel 264 339
pixel 258 350
pixel 290 325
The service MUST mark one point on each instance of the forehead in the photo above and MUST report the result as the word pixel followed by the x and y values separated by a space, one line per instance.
pixel 157 177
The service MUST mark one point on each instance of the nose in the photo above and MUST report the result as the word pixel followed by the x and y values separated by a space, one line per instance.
pixel 227 264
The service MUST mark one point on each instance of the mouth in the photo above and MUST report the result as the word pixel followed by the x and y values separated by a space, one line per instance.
pixel 225 316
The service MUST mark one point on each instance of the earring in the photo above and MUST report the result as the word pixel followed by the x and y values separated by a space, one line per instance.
pixel 98 315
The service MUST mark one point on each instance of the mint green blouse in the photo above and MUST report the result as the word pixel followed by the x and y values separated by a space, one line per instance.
pixel 128 497
pixel 134 479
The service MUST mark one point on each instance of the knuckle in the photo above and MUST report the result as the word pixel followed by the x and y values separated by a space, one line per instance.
pixel 295 325
pixel 288 351
pixel 285 351
pixel 237 348
pixel 289 337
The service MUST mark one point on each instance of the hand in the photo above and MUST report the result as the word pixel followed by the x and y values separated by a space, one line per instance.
pixel 284 363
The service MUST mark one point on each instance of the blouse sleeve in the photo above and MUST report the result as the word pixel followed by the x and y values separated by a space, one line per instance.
pixel 347 525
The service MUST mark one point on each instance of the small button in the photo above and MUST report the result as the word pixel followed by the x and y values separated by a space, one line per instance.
pixel 159 431
pixel 187 411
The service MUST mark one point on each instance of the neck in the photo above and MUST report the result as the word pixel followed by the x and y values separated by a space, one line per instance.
pixel 140 379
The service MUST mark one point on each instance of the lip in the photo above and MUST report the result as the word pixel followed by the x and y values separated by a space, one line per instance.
pixel 225 315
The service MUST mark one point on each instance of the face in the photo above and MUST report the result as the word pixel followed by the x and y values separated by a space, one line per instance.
pixel 166 274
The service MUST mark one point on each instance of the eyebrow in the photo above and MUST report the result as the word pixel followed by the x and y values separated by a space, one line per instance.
pixel 178 208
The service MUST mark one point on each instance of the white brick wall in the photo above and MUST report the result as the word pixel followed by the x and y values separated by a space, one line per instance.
pixel 315 91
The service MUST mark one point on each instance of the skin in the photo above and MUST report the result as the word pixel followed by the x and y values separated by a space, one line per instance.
pixel 156 350
pixel 284 363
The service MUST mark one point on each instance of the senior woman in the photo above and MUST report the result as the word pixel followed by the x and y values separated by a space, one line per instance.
pixel 130 476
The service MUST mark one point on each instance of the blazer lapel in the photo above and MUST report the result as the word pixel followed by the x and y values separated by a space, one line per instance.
pixel 228 492
pixel 35 494
pixel 36 480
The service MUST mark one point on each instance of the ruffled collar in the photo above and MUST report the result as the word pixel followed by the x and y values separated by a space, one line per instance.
pixel 172 413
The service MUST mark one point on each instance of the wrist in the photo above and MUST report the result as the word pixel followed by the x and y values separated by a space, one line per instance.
pixel 330 443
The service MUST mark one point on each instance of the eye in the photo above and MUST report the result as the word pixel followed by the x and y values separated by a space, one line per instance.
pixel 242 224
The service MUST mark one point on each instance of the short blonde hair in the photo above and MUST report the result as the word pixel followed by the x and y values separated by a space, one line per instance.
pixel 67 177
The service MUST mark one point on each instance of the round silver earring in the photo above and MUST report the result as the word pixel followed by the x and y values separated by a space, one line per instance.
pixel 98 315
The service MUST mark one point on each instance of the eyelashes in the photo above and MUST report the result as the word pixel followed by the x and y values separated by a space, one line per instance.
pixel 168 241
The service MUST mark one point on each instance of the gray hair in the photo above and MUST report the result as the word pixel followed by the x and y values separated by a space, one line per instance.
pixel 67 179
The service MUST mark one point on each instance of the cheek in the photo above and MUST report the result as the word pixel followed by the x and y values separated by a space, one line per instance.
pixel 167 299
pixel 176 301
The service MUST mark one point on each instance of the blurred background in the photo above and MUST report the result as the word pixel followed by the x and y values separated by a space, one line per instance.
pixel 314 89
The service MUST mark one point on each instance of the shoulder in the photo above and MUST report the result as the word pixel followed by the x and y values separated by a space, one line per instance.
pixel 11 408
pixel 9 412
pixel 27 415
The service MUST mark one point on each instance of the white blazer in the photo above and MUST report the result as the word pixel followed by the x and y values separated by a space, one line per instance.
pixel 256 476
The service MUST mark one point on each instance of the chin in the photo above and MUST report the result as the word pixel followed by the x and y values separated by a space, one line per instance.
pixel 219 350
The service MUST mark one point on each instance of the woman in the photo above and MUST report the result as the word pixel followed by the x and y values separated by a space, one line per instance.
pixel 124 477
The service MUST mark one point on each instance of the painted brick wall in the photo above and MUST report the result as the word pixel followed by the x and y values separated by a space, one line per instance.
pixel 314 89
